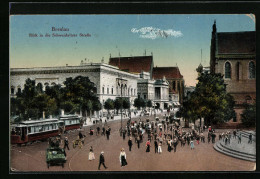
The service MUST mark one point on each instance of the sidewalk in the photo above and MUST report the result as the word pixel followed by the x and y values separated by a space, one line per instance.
pixel 117 117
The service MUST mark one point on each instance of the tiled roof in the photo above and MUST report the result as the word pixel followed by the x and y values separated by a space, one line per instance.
pixel 168 72
pixel 236 42
pixel 133 64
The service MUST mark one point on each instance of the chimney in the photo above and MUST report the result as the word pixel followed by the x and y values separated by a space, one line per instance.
pixel 50 116
pixel 43 115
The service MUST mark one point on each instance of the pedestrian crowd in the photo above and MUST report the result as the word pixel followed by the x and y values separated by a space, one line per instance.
pixel 155 135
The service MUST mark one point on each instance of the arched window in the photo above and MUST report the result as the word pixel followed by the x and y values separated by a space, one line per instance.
pixel 19 90
pixel 12 90
pixel 227 70
pixel 53 83
pixel 251 70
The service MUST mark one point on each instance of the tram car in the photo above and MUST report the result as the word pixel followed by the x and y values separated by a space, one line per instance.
pixel 32 130
pixel 71 121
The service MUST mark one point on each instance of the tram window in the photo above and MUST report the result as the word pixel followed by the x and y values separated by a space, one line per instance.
pixel 29 129
pixel 32 129
pixel 36 129
pixel 50 127
pixel 46 127
pixel 40 128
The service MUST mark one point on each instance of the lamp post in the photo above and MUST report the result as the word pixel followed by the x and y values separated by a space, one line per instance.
pixel 121 111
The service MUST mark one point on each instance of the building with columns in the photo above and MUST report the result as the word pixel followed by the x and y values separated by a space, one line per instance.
pixel 109 80
pixel 155 90
pixel 233 54
pixel 139 64
pixel 175 80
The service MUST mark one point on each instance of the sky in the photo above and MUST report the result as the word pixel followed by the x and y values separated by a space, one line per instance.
pixel 174 40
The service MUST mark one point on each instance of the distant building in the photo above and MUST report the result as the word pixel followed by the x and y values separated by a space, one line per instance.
pixel 109 80
pixel 233 54
pixel 188 90
pixel 135 64
pixel 155 90
pixel 175 80
pixel 139 64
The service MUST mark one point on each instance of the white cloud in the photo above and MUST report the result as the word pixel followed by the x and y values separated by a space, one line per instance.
pixel 153 33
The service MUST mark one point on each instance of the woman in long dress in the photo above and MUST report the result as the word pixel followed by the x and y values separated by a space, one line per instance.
pixel 91 155
pixel 160 148
pixel 191 144
pixel 148 145
pixel 122 158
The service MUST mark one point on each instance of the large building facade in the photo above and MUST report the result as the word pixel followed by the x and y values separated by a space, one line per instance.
pixel 233 55
pixel 109 80
pixel 139 64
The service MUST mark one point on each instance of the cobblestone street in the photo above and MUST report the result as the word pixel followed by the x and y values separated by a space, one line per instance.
pixel 203 158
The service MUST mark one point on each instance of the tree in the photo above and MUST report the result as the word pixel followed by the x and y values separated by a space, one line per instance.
pixel 248 116
pixel 209 100
pixel 80 92
pixel 149 104
pixel 118 103
pixel 56 92
pixel 126 103
pixel 31 102
pixel 109 105
pixel 137 103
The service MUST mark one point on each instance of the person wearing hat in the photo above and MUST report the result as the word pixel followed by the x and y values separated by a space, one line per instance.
pixel 122 158
pixel 102 160
pixel 66 143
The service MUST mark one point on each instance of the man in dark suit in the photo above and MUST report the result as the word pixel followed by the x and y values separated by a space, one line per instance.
pixel 130 143
pixel 102 160
pixel 156 146
pixel 107 133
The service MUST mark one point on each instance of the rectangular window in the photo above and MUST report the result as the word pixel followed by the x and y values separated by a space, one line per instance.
pixel 103 90
pixel 112 91
pixel 107 90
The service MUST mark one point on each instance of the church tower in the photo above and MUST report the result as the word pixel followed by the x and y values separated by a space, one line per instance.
pixel 213 48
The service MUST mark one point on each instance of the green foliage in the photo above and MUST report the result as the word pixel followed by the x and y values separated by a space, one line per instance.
pixel 248 116
pixel 118 103
pixel 96 106
pixel 78 94
pixel 109 104
pixel 209 100
pixel 149 103
pixel 126 103
pixel 81 94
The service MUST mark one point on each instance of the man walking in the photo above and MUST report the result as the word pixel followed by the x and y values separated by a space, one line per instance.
pixel 66 143
pixel 107 133
pixel 130 143
pixel 250 139
pixel 138 141
pixel 239 138
pixel 98 129
pixel 156 146
pixel 102 160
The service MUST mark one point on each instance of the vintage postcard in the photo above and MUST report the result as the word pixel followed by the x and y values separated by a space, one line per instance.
pixel 132 92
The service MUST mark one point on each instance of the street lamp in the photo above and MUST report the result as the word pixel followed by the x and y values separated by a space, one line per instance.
pixel 119 80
